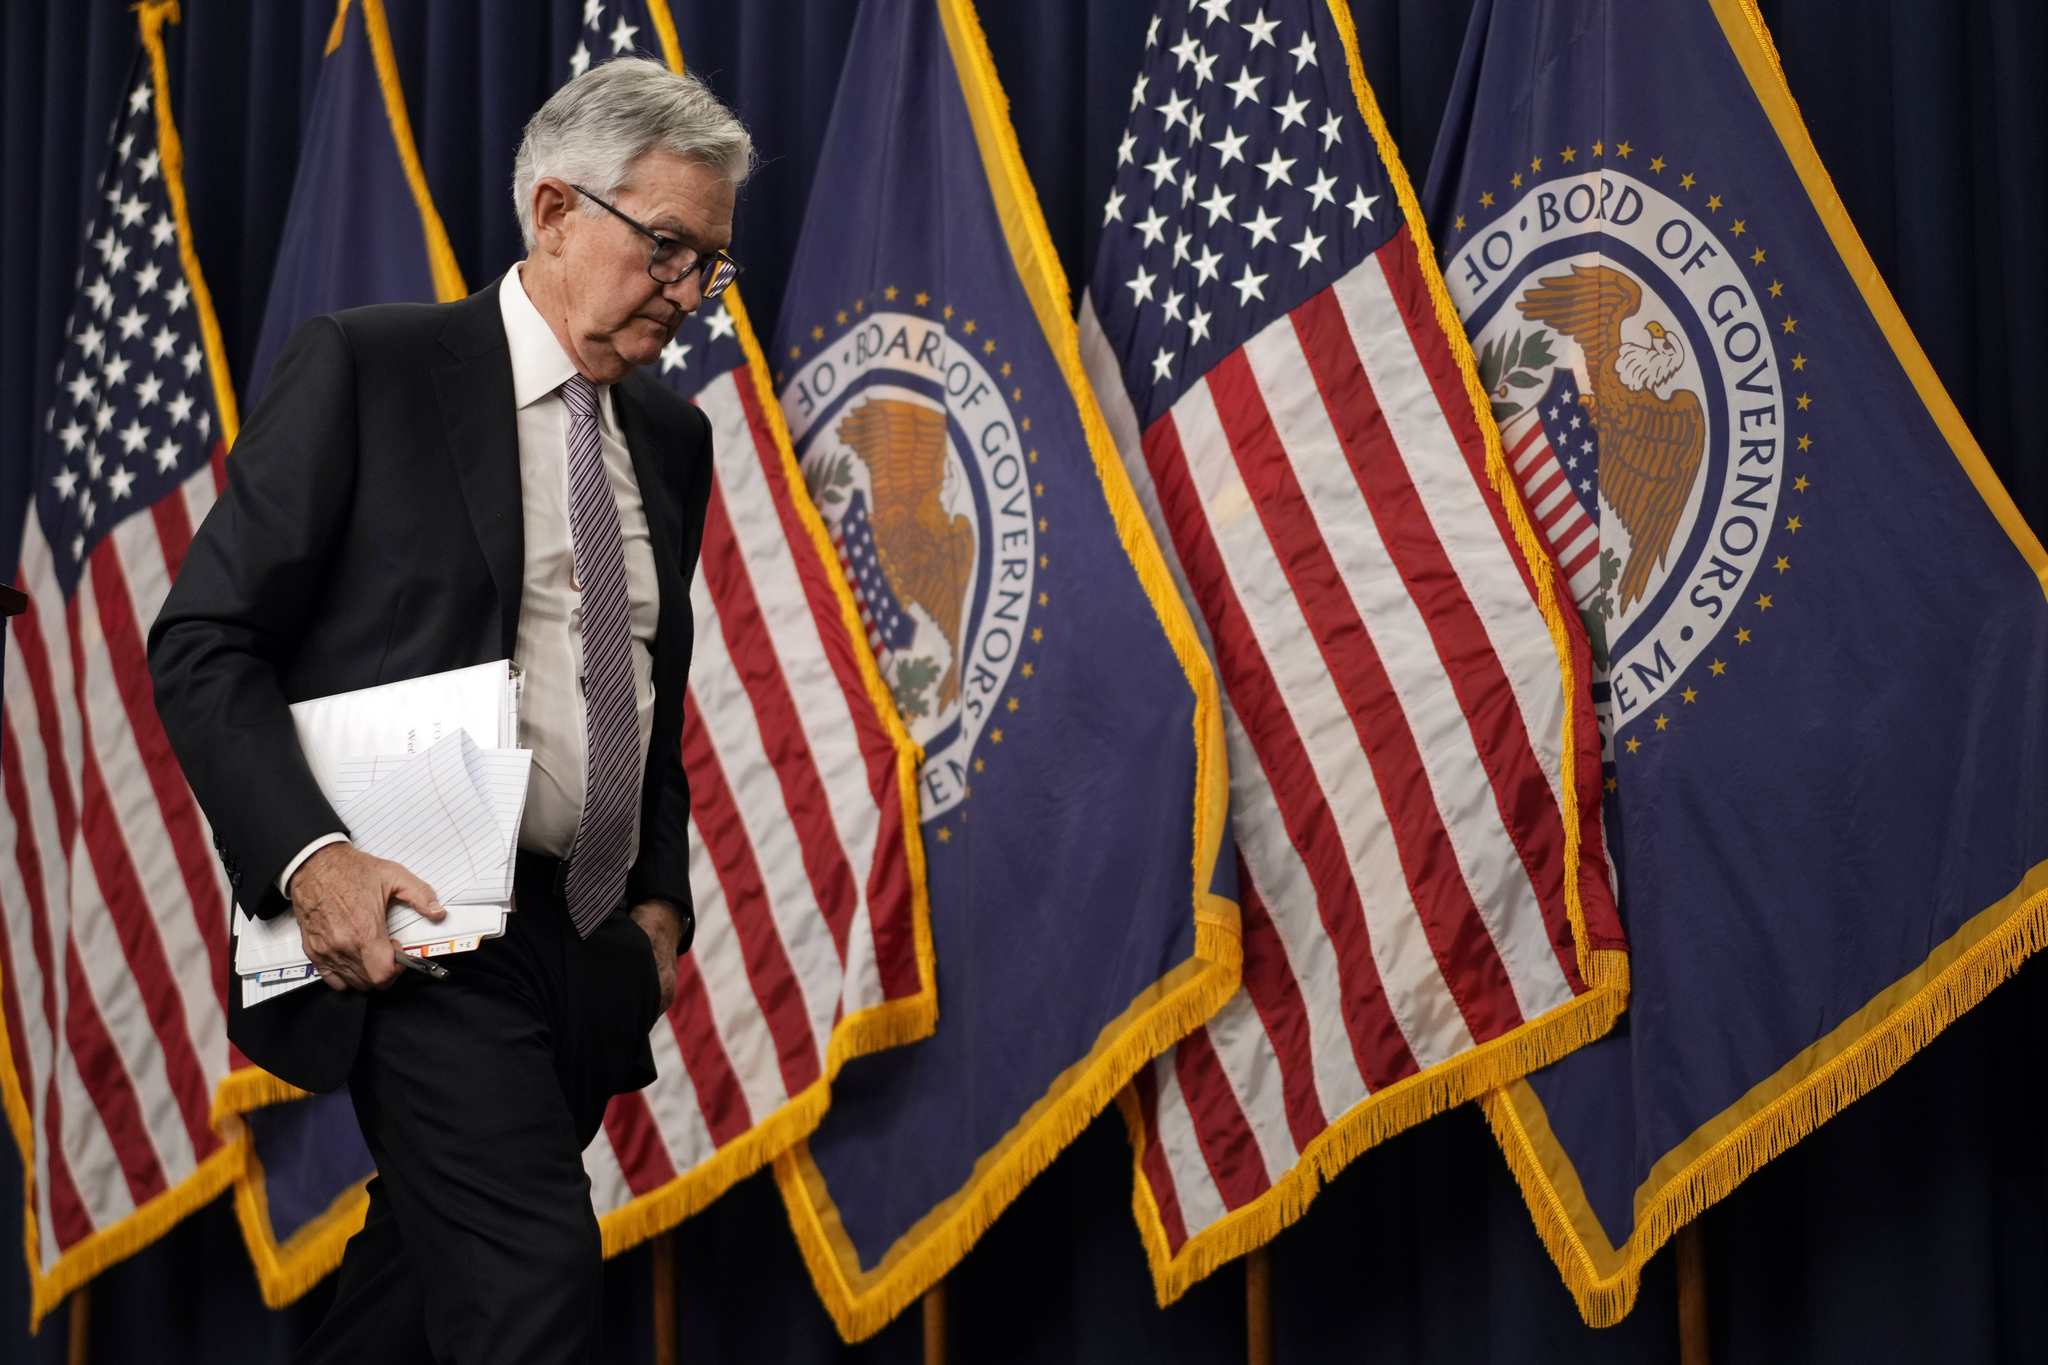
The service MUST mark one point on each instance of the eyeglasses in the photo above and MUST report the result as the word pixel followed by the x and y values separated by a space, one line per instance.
pixel 672 260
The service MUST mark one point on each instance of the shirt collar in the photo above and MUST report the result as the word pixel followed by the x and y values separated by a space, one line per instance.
pixel 539 364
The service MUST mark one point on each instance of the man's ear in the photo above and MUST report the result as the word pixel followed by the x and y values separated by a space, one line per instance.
pixel 553 203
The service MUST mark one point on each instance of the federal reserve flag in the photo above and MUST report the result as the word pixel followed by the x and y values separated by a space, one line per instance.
pixel 1073 789
pixel 1819 628
pixel 1414 766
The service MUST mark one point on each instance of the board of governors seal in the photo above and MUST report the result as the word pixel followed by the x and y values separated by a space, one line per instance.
pixel 1619 340
pixel 912 456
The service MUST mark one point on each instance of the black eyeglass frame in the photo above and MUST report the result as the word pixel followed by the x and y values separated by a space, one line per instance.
pixel 719 269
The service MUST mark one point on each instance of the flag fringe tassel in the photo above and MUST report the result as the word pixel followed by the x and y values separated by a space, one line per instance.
pixel 1860 1068
pixel 860 1313
pixel 285 1270
pixel 1368 1123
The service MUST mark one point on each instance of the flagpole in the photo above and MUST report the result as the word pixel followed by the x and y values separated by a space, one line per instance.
pixel 1258 1307
pixel 664 1268
pixel 935 1324
pixel 78 1348
pixel 1692 1295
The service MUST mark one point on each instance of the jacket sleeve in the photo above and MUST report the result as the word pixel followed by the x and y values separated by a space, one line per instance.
pixel 662 871
pixel 254 575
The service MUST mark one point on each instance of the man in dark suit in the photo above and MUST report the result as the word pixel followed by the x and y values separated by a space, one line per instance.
pixel 425 488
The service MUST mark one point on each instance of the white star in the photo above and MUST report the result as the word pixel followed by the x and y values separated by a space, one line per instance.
pixel 116 369
pixel 147 389
pixel 1175 109
pixel 1195 127
pixel 1113 211
pixel 1205 67
pixel 721 324
pixel 1261 227
pixel 104 243
pixel 674 356
pixel 593 10
pixel 579 60
pixel 1152 33
pixel 1304 53
pixel 80 387
pixel 1218 204
pixel 1138 92
pixel 72 436
pixel 1261 28
pixel 177 294
pixel 1180 245
pixel 131 211
pixel 1245 87
pixel 1311 248
pixel 622 36
pixel 145 278
pixel 1572 463
pixel 1125 148
pixel 1187 187
pixel 125 146
pixel 1140 285
pixel 117 259
pixel 179 408
pixel 1575 422
pixel 1248 287
pixel 1162 365
pixel 167 455
pixel 77 546
pixel 1184 51
pixel 204 422
pixel 1277 168
pixel 133 437
pixel 119 482
pixel 92 341
pixel 162 230
pixel 1585 485
pixel 93 461
pixel 65 482
pixel 149 165
pixel 86 506
pixel 1332 130
pixel 138 99
pixel 1290 112
pixel 1361 205
pixel 1586 446
pixel 1198 326
pixel 1323 191
pixel 1215 9
pixel 1231 146
pixel 1172 305
pixel 1162 168
pixel 1154 228
pixel 102 417
pixel 130 323
pixel 102 297
pixel 1205 266
pixel 164 342
pixel 191 359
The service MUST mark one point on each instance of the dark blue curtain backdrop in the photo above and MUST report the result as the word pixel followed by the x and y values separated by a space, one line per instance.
pixel 1914 1227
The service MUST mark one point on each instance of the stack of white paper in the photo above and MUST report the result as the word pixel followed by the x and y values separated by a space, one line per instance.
pixel 402 767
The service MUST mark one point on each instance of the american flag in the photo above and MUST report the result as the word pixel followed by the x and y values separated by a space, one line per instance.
pixel 1555 453
pixel 113 908
pixel 1413 759
pixel 813 943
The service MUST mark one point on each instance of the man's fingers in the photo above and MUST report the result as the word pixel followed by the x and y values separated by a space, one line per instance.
pixel 334 981
pixel 380 965
pixel 414 892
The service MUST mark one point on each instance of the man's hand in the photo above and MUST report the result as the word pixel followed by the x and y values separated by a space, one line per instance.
pixel 341 895
pixel 663 927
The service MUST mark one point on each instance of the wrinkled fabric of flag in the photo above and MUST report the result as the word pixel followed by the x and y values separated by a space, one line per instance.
pixel 1072 791
pixel 113 909
pixel 1415 778
pixel 1819 625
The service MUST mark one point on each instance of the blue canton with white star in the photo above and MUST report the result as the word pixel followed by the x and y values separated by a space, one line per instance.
pixel 1574 438
pixel 134 414
pixel 1247 182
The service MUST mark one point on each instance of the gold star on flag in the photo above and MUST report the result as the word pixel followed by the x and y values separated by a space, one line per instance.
pixel 988 348
pixel 1013 703
pixel 1689 696
pixel 860 306
pixel 1757 257
pixel 923 298
pixel 1535 164
pixel 1486 200
pixel 1612 784
pixel 1804 402
pixel 945 835
pixel 1801 483
pixel 1806 443
pixel 1792 525
pixel 1027 669
pixel 1622 149
pixel 842 317
pixel 1038 490
pixel 817 334
pixel 1006 369
pixel 1763 601
pixel 1717 668
pixel 1777 289
pixel 977 765
pixel 890 293
pixel 969 328
pixel 1041 599
pixel 947 313
pixel 1739 228
pixel 1783 564
pixel 1791 323
pixel 1634 744
pixel 1657 164
pixel 1742 636
pixel 1596 149
pixel 995 736
pixel 1570 154
pixel 1036 636
pixel 1459 226
pixel 1686 182
pixel 1041 524
pixel 1517 181
pixel 1798 362
pixel 1662 722
pixel 795 352
pixel 1713 202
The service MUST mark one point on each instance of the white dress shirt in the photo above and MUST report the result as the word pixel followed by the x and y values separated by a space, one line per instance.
pixel 549 648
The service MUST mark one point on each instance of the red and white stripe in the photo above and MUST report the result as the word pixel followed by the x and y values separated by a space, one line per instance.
pixel 113 909
pixel 1394 712
pixel 798 858
pixel 1556 511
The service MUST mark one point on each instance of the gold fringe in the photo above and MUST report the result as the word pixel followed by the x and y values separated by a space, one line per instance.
pixel 1534 555
pixel 1605 1299
pixel 862 1303
pixel 448 285
pixel 1366 1124
pixel 286 1270
pixel 250 1087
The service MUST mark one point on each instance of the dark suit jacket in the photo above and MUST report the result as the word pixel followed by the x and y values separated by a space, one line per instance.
pixel 371 532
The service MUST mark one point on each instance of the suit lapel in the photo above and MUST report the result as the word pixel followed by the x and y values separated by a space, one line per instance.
pixel 481 425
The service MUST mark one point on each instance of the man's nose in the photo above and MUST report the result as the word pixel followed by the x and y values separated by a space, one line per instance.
pixel 686 293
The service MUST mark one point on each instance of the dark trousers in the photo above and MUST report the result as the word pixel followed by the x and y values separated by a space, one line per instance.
pixel 477 1096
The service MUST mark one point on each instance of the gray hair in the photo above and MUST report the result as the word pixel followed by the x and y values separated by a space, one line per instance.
pixel 592 131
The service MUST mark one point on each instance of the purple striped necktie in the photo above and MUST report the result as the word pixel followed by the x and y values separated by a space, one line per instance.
pixel 611 795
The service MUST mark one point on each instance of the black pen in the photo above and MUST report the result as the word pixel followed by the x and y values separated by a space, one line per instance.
pixel 420 964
